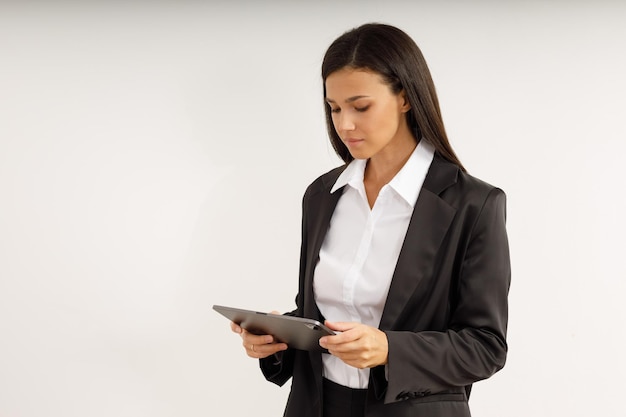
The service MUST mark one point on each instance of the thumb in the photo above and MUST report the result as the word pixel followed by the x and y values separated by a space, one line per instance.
pixel 340 326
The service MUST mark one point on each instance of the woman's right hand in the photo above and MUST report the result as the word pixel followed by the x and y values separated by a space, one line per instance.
pixel 258 346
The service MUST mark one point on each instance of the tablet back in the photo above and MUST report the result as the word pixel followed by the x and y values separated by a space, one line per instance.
pixel 297 332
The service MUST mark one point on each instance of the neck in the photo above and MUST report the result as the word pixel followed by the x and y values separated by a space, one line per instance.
pixel 381 168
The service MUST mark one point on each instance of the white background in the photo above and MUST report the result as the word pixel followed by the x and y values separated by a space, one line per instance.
pixel 152 160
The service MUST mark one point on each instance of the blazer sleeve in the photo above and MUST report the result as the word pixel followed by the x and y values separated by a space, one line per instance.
pixel 278 368
pixel 474 345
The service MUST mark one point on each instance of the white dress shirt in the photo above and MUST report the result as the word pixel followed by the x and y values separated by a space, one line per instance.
pixel 361 249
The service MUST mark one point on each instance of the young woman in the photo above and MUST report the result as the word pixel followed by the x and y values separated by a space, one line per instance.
pixel 403 253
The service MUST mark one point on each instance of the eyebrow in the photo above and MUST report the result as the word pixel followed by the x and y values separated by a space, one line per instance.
pixel 348 100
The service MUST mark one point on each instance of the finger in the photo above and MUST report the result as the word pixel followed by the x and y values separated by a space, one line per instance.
pixel 264 350
pixel 341 326
pixel 346 336
pixel 361 338
pixel 356 359
pixel 356 356
pixel 235 327
pixel 335 345
pixel 269 349
pixel 255 339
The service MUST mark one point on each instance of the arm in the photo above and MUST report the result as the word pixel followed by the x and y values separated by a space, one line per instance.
pixel 474 345
pixel 278 368
pixel 277 365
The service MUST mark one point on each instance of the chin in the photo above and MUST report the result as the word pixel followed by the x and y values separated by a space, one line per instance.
pixel 357 155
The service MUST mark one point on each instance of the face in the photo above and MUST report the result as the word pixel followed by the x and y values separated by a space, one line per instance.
pixel 368 117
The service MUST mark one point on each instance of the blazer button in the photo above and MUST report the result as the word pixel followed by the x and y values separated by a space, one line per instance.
pixel 402 396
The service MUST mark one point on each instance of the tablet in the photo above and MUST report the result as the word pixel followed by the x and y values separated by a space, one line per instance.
pixel 297 332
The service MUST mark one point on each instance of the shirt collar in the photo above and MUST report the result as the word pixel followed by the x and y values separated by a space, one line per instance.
pixel 352 175
pixel 407 182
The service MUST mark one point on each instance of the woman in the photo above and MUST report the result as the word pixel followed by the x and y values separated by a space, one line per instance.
pixel 403 253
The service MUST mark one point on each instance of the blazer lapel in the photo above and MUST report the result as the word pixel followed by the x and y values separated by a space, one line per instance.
pixel 428 226
pixel 320 210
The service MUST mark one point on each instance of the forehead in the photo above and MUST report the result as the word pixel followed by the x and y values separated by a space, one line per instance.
pixel 348 82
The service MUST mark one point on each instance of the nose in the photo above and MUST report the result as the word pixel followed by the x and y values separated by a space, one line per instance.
pixel 343 122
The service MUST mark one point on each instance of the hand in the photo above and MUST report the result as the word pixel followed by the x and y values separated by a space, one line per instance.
pixel 357 345
pixel 258 346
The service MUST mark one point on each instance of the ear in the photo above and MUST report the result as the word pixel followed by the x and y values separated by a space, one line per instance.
pixel 405 106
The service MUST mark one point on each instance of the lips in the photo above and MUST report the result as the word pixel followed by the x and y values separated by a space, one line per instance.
pixel 353 141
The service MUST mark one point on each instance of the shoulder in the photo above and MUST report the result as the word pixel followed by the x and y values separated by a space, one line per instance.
pixel 475 186
pixel 459 188
pixel 479 197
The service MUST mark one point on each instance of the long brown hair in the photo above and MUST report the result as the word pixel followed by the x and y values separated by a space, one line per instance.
pixel 391 53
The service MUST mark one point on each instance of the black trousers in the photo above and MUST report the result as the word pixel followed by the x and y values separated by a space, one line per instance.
pixel 340 401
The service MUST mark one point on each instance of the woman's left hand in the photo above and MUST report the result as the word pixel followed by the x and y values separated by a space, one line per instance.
pixel 357 345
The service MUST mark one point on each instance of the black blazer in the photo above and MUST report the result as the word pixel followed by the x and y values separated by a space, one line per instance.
pixel 446 312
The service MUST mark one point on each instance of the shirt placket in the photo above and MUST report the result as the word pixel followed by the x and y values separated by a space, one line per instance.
pixel 365 243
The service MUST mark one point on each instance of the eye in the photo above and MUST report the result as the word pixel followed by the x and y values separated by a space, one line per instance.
pixel 335 110
pixel 362 109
